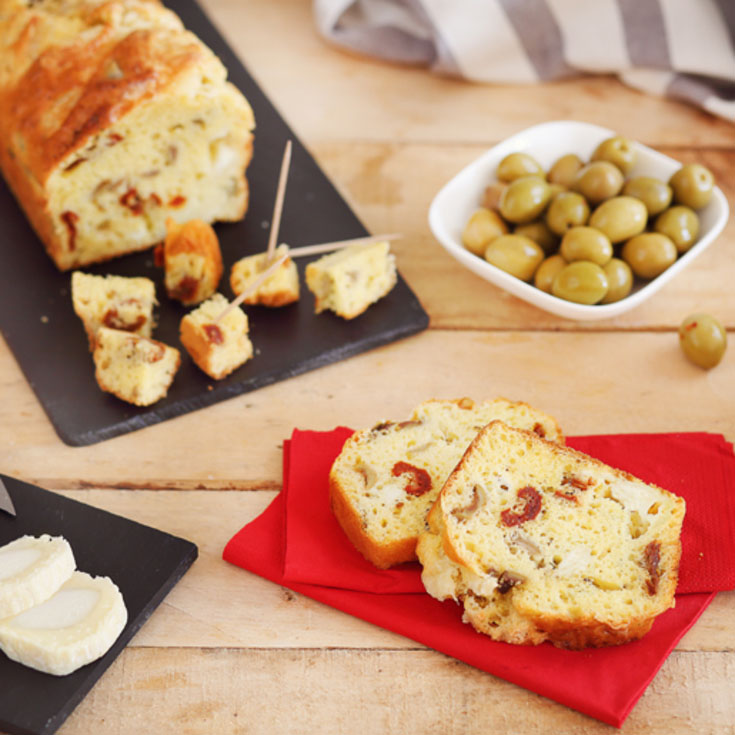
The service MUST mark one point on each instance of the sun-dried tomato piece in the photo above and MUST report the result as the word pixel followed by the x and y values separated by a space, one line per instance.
pixel 185 289
pixel 214 334
pixel 420 481
pixel 177 201
pixel 113 320
pixel 651 561
pixel 131 199
pixel 531 508
pixel 539 430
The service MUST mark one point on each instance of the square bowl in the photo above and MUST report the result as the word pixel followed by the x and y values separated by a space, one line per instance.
pixel 460 197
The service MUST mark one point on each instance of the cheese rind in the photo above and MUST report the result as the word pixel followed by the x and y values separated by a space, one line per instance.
pixel 74 627
pixel 31 570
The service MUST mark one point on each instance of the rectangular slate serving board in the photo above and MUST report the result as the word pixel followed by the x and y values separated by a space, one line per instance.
pixel 47 339
pixel 143 562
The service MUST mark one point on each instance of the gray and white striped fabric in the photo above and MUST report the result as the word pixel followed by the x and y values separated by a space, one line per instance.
pixel 683 49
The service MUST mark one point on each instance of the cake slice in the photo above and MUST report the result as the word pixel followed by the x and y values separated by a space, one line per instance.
pixel 348 281
pixel 217 348
pixel 31 570
pixel 116 302
pixel 74 627
pixel 279 289
pixel 135 369
pixel 386 478
pixel 541 542
pixel 191 260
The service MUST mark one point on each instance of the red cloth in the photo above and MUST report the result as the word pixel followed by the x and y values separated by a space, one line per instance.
pixel 297 543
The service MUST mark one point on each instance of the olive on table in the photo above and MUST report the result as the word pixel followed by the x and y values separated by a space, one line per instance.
pixel 524 199
pixel 586 243
pixel 618 150
pixel 649 254
pixel 516 165
pixel 619 280
pixel 681 224
pixel 568 209
pixel 565 169
pixel 546 272
pixel 481 229
pixel 620 218
pixel 703 340
pixel 582 282
pixel 692 185
pixel 539 232
pixel 598 181
pixel 520 256
pixel 654 193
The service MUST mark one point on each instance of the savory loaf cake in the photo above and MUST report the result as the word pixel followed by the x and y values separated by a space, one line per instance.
pixel 279 289
pixel 347 281
pixel 217 348
pixel 135 369
pixel 541 542
pixel 113 117
pixel 111 301
pixel 191 260
pixel 386 478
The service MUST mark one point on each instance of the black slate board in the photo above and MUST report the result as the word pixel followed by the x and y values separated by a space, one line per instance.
pixel 47 339
pixel 143 562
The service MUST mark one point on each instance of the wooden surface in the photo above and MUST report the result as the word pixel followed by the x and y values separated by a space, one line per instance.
pixel 228 652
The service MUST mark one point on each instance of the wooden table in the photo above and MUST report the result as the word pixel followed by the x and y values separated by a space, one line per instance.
pixel 228 652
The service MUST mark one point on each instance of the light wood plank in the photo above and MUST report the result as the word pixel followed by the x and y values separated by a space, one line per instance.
pixel 593 383
pixel 336 691
pixel 337 96
pixel 220 605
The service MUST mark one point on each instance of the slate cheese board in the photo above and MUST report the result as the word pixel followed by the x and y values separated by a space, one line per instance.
pixel 143 562
pixel 47 339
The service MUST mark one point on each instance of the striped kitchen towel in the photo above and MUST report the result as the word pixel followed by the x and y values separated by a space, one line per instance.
pixel 684 49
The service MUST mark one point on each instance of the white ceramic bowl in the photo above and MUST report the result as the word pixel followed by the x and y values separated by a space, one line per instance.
pixel 547 142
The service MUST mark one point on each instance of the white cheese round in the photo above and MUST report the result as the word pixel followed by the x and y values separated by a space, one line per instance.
pixel 32 570
pixel 74 627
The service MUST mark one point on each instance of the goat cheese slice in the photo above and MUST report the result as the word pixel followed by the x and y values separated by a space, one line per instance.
pixel 31 570
pixel 74 627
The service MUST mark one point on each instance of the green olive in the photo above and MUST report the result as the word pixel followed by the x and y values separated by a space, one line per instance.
pixel 620 218
pixel 693 185
pixel 546 272
pixel 619 280
pixel 524 199
pixel 617 150
pixel 481 229
pixel 654 193
pixel 565 169
pixel 515 254
pixel 703 340
pixel 491 197
pixel 586 243
pixel 582 282
pixel 681 224
pixel 649 254
pixel 516 165
pixel 539 232
pixel 568 209
pixel 598 181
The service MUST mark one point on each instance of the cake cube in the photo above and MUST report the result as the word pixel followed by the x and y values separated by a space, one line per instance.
pixel 133 368
pixel 220 348
pixel 279 289
pixel 116 302
pixel 192 261
pixel 348 281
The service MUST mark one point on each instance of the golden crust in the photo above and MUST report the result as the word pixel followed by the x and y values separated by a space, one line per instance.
pixel 384 555
pixel 197 346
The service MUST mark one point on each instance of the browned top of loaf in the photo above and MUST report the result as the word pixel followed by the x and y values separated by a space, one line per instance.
pixel 66 76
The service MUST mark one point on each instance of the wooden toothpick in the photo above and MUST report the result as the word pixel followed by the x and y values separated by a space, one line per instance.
pixel 328 246
pixel 278 206
pixel 253 287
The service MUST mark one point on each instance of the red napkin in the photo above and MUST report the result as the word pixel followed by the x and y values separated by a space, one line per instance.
pixel 297 538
